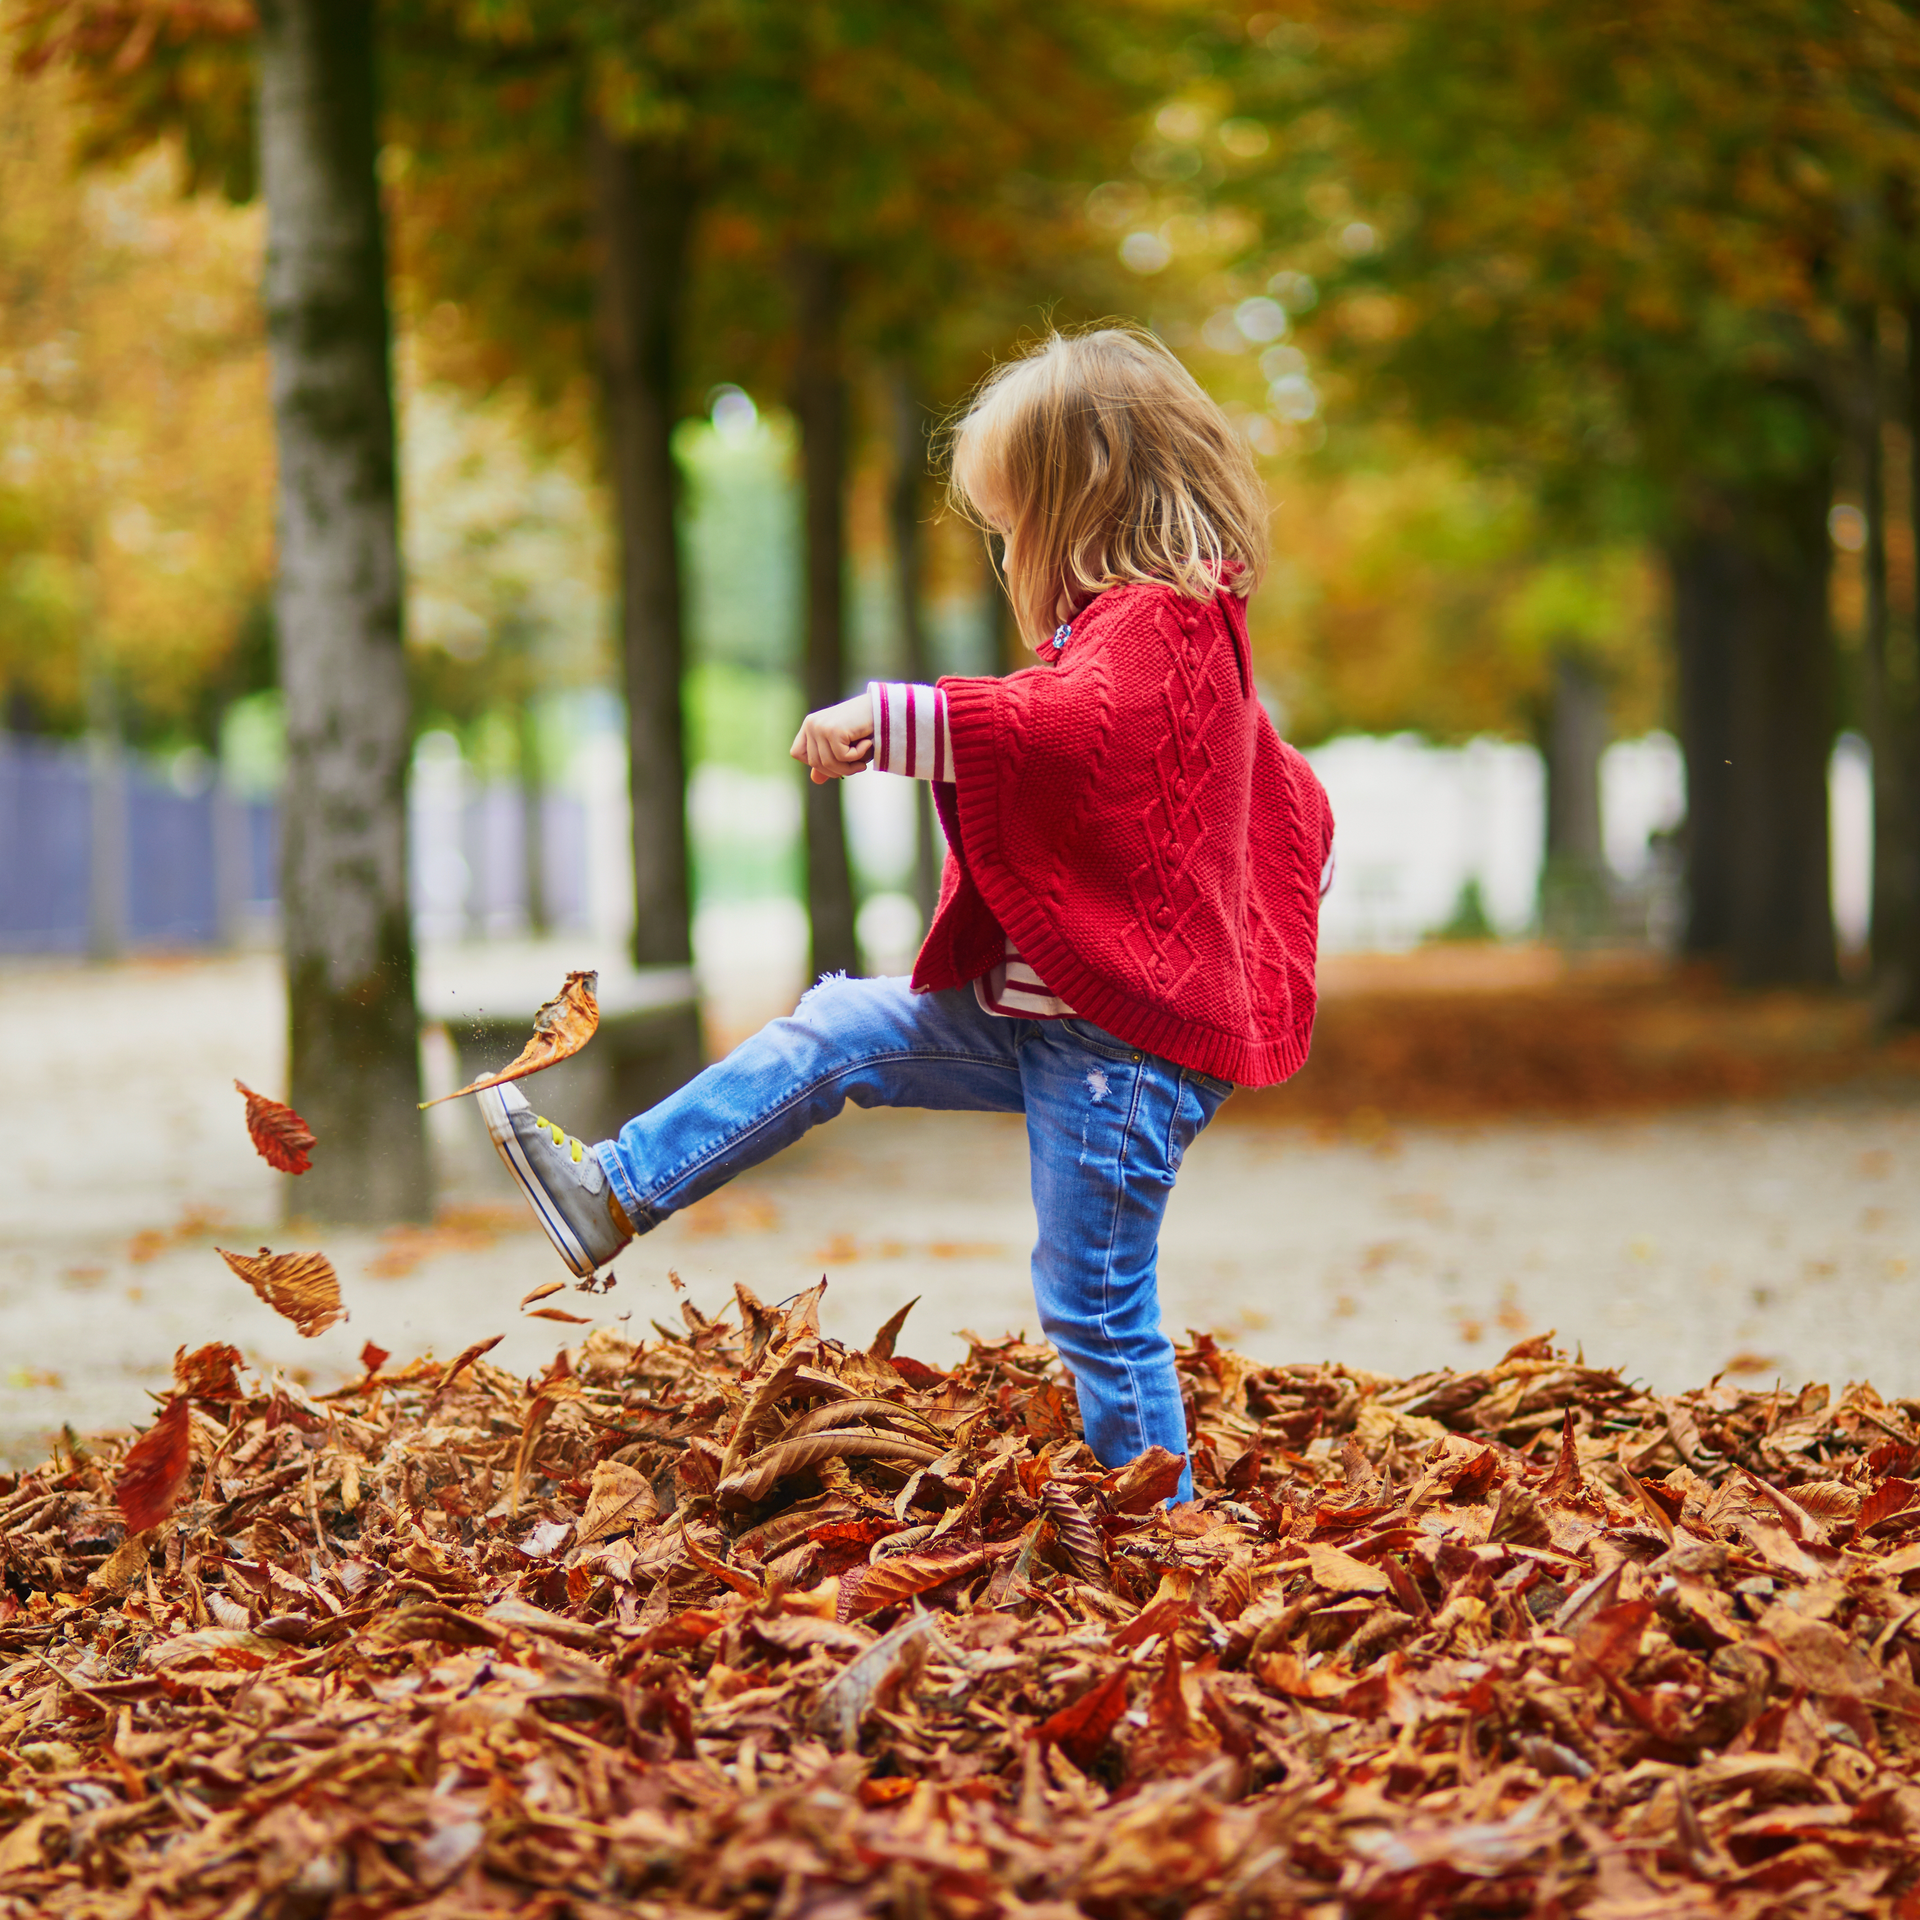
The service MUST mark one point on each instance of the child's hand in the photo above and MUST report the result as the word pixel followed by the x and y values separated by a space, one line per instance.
pixel 836 741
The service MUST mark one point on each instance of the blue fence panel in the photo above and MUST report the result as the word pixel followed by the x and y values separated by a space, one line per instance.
pixel 262 819
pixel 173 895
pixel 199 866
pixel 46 846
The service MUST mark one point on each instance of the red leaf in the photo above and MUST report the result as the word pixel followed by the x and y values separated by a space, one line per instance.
pixel 1889 1497
pixel 207 1372
pixel 373 1358
pixel 1080 1729
pixel 1145 1481
pixel 280 1137
pixel 155 1470
pixel 906 1574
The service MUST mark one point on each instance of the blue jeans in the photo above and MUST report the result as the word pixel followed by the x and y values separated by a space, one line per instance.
pixel 1107 1126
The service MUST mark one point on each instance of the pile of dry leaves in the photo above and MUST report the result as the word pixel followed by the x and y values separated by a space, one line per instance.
pixel 739 1621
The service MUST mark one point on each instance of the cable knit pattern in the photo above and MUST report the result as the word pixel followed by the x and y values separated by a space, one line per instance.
pixel 1130 818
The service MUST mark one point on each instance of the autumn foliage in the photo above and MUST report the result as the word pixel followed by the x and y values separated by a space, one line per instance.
pixel 280 1137
pixel 561 1027
pixel 738 1616
pixel 302 1287
pixel 154 1472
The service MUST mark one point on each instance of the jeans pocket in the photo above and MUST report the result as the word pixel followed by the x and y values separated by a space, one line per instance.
pixel 1197 1101
pixel 1097 1039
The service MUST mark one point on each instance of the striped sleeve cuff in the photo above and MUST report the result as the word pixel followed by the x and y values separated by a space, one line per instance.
pixel 910 730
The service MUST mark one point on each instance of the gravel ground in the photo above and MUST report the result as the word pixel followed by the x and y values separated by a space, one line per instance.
pixel 1773 1239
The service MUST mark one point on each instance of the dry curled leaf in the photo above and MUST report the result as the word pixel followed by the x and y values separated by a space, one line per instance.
pixel 560 1029
pixel 462 1360
pixel 280 1137
pixel 1076 1533
pixel 301 1287
pixel 209 1372
pixel 872 1678
pixel 1144 1482
pixel 154 1473
pixel 907 1574
pixel 544 1291
pixel 619 1497
pixel 765 1470
pixel 562 1315
pixel 1083 1725
pixel 1404 1654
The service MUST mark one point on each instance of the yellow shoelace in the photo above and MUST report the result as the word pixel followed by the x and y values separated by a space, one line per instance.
pixel 574 1149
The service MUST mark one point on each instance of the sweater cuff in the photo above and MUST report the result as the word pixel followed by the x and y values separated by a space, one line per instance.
pixel 910 730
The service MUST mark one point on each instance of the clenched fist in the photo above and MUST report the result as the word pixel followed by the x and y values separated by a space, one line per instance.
pixel 836 741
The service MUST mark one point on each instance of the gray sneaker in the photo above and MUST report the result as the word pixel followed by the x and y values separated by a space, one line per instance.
pixel 564 1180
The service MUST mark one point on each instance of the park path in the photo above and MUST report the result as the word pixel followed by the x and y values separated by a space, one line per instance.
pixel 1780 1239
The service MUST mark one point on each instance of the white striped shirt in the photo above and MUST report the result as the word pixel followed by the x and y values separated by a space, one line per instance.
pixel 910 736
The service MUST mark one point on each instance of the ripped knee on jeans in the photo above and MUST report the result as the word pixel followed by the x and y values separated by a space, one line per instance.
pixel 838 978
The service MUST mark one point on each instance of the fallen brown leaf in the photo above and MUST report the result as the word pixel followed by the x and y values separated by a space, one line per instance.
pixel 687 1619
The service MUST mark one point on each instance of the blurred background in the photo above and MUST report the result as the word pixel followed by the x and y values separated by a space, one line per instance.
pixel 1582 360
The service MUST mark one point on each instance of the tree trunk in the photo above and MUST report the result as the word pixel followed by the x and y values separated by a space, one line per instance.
pixel 1782 932
pixel 1756 695
pixel 909 489
pixel 820 406
pixel 533 819
pixel 1895 900
pixel 353 1032
pixel 1702 571
pixel 1575 904
pixel 644 202
pixel 1896 830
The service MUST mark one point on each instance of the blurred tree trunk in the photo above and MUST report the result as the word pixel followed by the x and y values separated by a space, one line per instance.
pixel 1757 690
pixel 909 491
pixel 820 406
pixel 1783 720
pixel 533 818
pixel 1574 898
pixel 1896 941
pixel 643 204
pixel 1896 896
pixel 353 1032
pixel 1702 571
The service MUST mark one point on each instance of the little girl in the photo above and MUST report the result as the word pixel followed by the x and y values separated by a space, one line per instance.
pixel 1127 921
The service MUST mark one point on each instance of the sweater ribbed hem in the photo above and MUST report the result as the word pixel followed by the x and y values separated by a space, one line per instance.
pixel 1237 1057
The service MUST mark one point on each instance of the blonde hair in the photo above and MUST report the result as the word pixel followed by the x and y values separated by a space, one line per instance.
pixel 1102 461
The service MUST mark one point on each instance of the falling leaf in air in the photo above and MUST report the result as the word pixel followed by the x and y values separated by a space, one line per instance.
pixel 373 1358
pixel 545 1291
pixel 560 1029
pixel 151 1479
pixel 280 1137
pixel 301 1287
pixel 560 1314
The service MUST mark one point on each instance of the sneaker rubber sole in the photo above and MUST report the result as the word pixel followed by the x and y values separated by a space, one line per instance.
pixel 506 1142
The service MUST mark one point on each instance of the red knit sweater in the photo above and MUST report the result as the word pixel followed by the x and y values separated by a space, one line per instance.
pixel 1130 818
